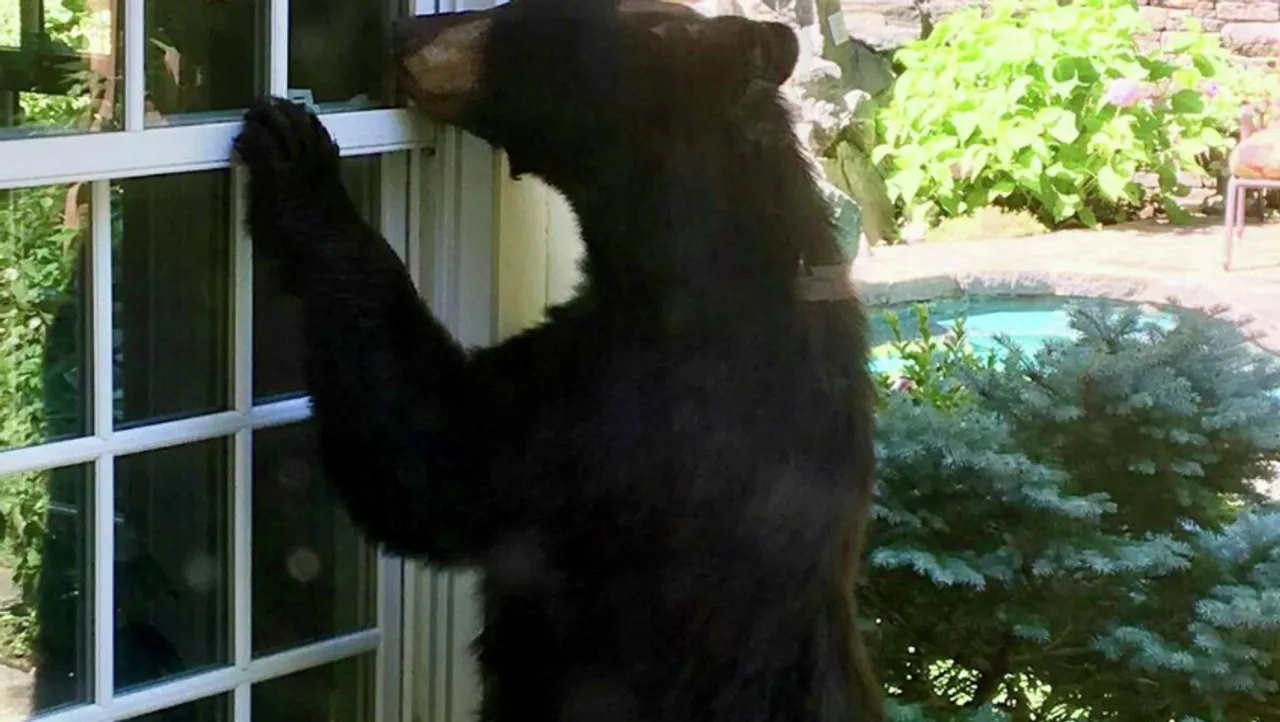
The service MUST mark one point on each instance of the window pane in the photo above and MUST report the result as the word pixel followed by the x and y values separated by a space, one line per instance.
pixel 171 242
pixel 60 66
pixel 277 317
pixel 341 691
pixel 212 709
pixel 172 562
pixel 44 314
pixel 340 51
pixel 201 58
pixel 46 538
pixel 313 574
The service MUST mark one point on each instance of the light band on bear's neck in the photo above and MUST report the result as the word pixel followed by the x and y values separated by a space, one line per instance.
pixel 825 283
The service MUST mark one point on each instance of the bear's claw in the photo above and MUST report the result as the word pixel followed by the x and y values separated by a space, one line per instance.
pixel 281 135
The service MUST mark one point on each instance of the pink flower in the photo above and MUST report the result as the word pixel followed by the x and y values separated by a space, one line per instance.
pixel 1122 93
pixel 1212 88
pixel 902 383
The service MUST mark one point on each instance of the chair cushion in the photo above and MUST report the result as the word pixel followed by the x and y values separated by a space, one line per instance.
pixel 1258 156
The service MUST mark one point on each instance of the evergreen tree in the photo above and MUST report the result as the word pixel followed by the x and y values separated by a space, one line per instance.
pixel 1076 534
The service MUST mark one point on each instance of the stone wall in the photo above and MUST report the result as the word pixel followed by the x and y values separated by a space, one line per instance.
pixel 1249 28
pixel 887 24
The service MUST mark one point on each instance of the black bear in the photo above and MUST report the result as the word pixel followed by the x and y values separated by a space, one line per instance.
pixel 667 482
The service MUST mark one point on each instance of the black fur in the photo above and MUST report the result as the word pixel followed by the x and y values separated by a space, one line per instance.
pixel 667 482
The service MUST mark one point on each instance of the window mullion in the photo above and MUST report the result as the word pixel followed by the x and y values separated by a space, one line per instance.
pixel 242 296
pixel 242 493
pixel 104 472
pixel 104 538
pixel 242 566
pixel 185 148
pixel 135 74
pixel 103 331
pixel 278 48
pixel 103 386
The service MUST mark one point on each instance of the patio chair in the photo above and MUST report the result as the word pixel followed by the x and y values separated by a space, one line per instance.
pixel 1253 165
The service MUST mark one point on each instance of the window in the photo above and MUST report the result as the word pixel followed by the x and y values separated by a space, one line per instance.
pixel 168 550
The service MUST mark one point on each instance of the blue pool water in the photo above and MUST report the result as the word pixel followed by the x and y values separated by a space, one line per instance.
pixel 1030 322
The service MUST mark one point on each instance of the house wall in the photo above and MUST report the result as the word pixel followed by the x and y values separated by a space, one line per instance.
pixel 538 250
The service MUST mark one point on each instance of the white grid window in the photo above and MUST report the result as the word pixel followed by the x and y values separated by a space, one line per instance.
pixel 167 548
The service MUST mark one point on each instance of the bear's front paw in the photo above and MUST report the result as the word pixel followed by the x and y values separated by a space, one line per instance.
pixel 281 136
pixel 292 162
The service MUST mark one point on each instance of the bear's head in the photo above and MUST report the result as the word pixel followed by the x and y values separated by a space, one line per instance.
pixel 568 86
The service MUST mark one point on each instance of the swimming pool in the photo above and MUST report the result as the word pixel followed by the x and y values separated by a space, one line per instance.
pixel 1031 322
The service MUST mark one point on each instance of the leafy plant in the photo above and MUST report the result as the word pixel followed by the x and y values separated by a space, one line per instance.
pixel 38 251
pixel 1052 107
pixel 931 364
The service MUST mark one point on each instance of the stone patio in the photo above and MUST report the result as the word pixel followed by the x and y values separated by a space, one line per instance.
pixel 15 684
pixel 15 694
pixel 1146 261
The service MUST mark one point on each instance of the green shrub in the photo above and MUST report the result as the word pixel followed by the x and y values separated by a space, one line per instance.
pixel 37 257
pixel 1053 108
pixel 931 364
pixel 1080 538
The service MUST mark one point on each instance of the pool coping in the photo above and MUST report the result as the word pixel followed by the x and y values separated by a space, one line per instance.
pixel 1257 311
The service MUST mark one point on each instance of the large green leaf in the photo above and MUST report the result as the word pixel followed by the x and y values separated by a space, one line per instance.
pixel 1187 101
pixel 965 124
pixel 1111 184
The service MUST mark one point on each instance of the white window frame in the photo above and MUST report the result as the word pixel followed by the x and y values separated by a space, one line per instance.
pixel 437 211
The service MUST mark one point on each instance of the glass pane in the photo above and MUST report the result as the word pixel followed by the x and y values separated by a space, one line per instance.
pixel 277 317
pixel 201 59
pixel 60 66
pixel 313 574
pixel 341 691
pixel 172 277
pixel 172 562
pixel 46 560
pixel 339 51
pixel 211 709
pixel 44 314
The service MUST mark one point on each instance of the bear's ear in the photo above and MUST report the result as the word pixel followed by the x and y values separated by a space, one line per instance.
pixel 760 50
pixel 773 52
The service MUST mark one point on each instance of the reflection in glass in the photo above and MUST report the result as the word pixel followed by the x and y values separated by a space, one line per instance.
pixel 172 562
pixel 171 243
pixel 46 562
pixel 44 314
pixel 341 691
pixel 313 574
pixel 277 317
pixel 210 709
pixel 201 59
pixel 60 66
pixel 338 51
